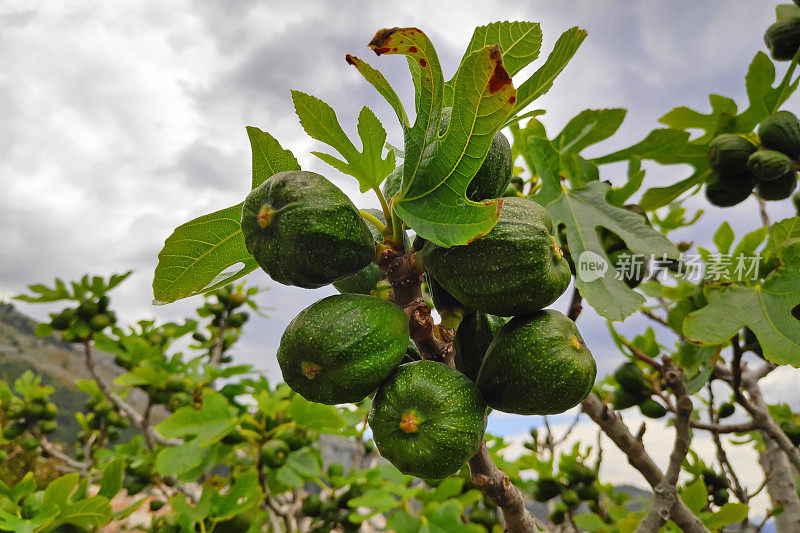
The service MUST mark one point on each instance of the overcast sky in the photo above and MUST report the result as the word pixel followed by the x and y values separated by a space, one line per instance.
pixel 121 120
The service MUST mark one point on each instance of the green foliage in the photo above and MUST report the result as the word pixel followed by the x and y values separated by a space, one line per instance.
pixel 587 207
pixel 320 123
pixel 483 98
pixel 764 307
pixel 196 254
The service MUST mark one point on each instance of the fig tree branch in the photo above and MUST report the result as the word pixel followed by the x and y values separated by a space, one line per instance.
pixel 654 317
pixel 723 428
pixel 665 491
pixel 613 426
pixel 722 456
pixel 762 209
pixel 50 448
pixel 121 404
pixel 219 342
pixel 435 343
pixel 757 407
pixel 780 486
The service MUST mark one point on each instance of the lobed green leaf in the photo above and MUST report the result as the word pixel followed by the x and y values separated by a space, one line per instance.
pixel 194 258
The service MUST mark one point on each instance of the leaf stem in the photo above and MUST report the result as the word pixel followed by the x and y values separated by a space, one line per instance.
pixel 372 219
pixel 387 214
pixel 785 82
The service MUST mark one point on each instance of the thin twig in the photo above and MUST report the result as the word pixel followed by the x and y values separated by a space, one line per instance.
pixel 640 355
pixel 665 492
pixel 569 430
pixel 121 404
pixel 219 343
pixel 722 456
pixel 612 425
pixel 758 490
pixel 762 209
pixel 49 447
pixel 736 364
pixel 654 317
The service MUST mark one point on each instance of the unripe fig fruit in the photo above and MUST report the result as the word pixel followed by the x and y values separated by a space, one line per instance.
pixel 304 231
pixel 781 132
pixel 342 347
pixel 516 269
pixel 427 419
pixel 768 165
pixel 783 39
pixel 537 364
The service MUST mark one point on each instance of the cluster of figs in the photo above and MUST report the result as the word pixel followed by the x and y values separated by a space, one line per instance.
pixel 767 162
pixel 511 354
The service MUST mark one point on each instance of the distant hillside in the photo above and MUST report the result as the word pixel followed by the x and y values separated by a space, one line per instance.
pixel 59 364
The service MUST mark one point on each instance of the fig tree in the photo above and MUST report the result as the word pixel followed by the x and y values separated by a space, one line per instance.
pixel 427 419
pixel 342 347
pixel 304 231
pixel 537 364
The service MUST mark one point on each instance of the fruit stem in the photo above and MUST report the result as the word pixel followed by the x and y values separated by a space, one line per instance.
pixel 375 221
pixel 398 234
pixel 451 318
pixel 785 82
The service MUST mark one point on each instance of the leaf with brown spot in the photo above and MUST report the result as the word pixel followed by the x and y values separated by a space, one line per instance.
pixel 437 168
